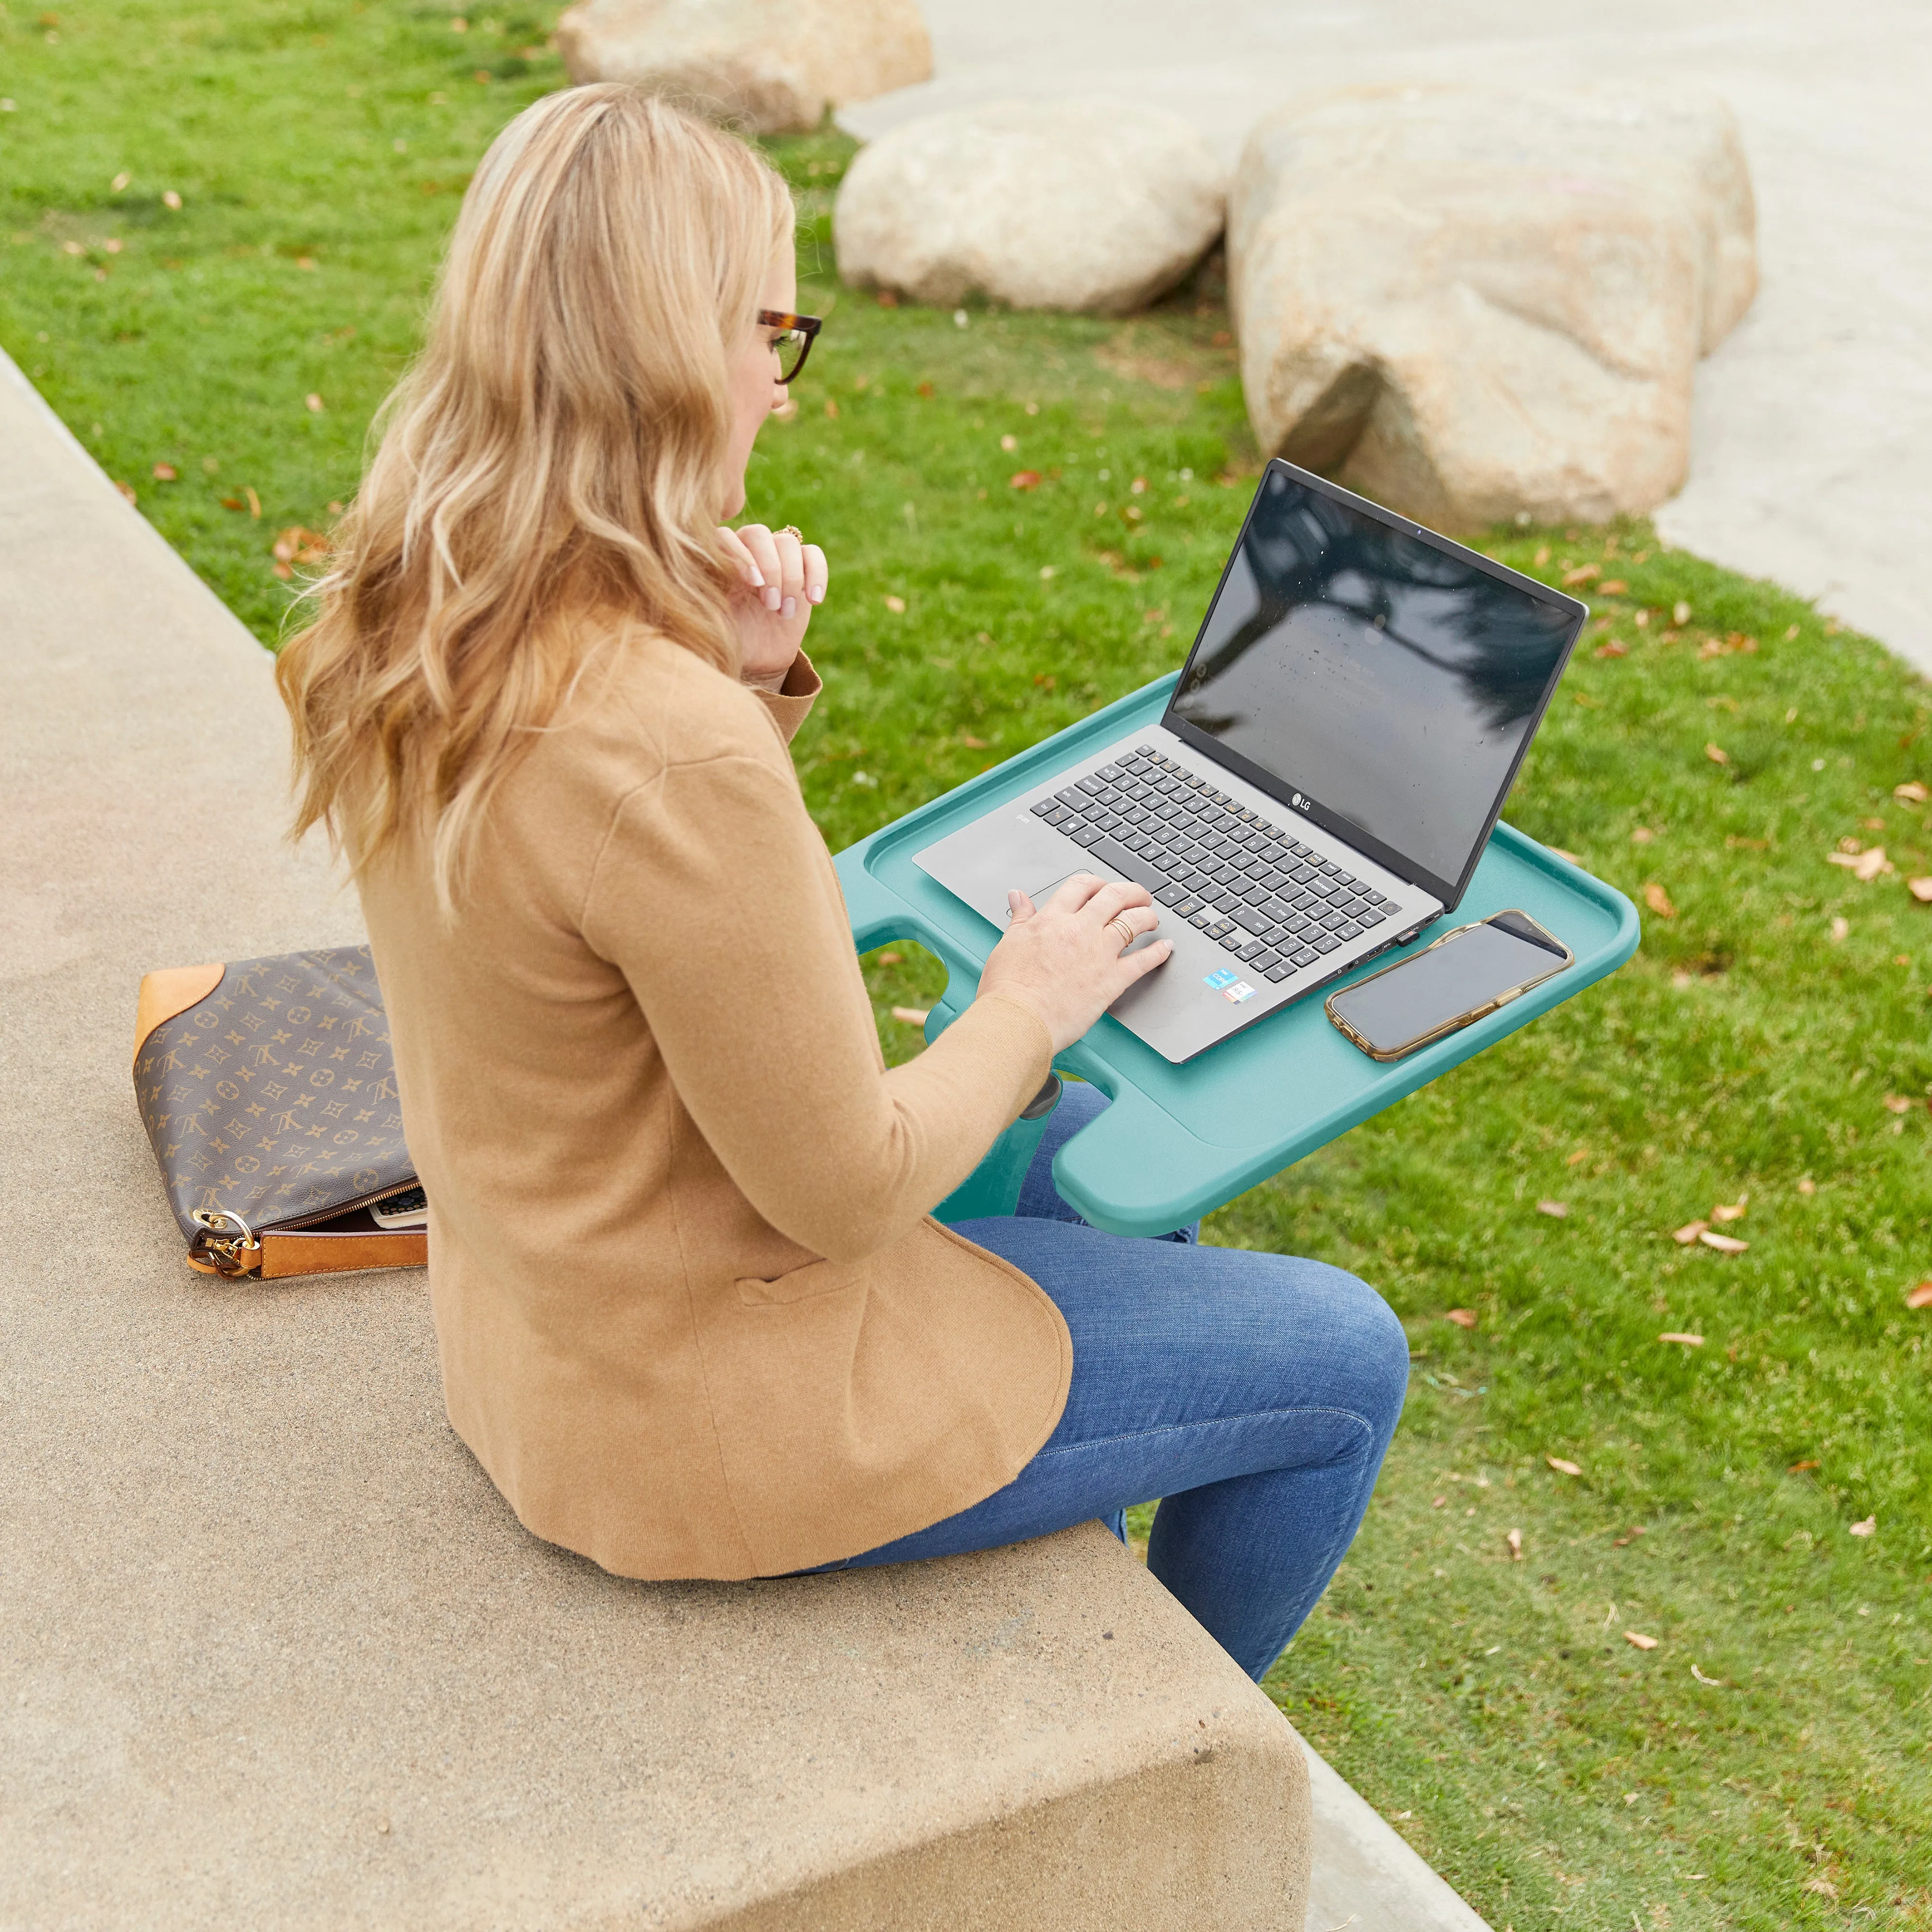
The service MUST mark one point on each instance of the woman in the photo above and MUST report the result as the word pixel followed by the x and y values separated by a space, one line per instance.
pixel 694 1318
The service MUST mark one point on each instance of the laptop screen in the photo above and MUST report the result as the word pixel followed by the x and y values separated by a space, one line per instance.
pixel 1386 683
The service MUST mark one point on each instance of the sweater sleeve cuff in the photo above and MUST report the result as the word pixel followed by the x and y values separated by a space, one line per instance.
pixel 1013 1039
pixel 791 704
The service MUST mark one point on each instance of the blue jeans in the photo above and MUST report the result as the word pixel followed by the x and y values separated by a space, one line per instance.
pixel 1255 1393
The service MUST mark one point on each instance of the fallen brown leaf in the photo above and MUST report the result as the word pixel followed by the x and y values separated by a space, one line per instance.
pixel 892 958
pixel 1680 614
pixel 1612 650
pixel 966 739
pixel 1557 1210
pixel 1010 444
pixel 832 406
pixel 171 200
pixel 1921 889
pixel 1563 1466
pixel 1689 1232
pixel 896 605
pixel 1920 1297
pixel 911 1016
pixel 1730 1211
pixel 1912 791
pixel 166 472
pixel 1678 1335
pixel 1577 1158
pixel 1024 479
pixel 1898 1103
pixel 1798 1468
pixel 1717 754
pixel 1868 1528
pixel 1638 1641
pixel 1641 835
pixel 126 489
pixel 1622 1542
pixel 1582 574
pixel 1466 1318
pixel 1807 1185
pixel 1822 1886
pixel 1514 1540
pixel 1840 930
pixel 1612 586
pixel 254 503
pixel 1725 1244
pixel 1438 1502
pixel 313 403
pixel 1658 901
pixel 297 545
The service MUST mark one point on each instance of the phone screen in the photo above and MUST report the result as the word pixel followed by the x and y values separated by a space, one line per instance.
pixel 1394 1007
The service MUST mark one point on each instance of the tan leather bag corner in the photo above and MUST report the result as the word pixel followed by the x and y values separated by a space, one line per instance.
pixel 268 1088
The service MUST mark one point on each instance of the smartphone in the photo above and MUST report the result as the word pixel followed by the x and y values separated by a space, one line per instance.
pixel 409 1209
pixel 1451 983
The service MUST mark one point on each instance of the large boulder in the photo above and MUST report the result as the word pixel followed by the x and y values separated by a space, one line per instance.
pixel 1476 305
pixel 1082 204
pixel 772 66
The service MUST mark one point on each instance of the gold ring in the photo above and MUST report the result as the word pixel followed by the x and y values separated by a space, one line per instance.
pixel 792 531
pixel 1118 923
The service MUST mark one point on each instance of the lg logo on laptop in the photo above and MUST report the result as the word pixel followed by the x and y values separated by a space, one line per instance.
pixel 1298 801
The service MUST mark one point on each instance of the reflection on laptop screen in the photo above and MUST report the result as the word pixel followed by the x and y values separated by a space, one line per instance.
pixel 1391 683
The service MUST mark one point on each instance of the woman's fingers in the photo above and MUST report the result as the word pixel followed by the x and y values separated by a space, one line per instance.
pixel 791 571
pixel 740 556
pixel 1074 892
pixel 817 575
pixel 1115 897
pixel 1139 964
pixel 1018 906
pixel 1137 919
pixel 764 552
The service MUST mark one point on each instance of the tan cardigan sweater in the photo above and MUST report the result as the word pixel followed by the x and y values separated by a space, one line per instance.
pixel 693 1317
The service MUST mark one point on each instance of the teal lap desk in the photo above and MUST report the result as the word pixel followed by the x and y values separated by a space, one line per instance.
pixel 1179 1142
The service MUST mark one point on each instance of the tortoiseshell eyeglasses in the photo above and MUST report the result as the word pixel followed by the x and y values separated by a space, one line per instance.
pixel 792 343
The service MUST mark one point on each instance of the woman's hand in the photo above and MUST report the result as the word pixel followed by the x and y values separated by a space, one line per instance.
pixel 780 580
pixel 1068 960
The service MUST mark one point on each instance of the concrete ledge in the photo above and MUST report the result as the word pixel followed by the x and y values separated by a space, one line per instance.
pixel 276 1653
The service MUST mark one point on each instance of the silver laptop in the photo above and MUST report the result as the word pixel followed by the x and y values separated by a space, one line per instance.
pixel 1326 774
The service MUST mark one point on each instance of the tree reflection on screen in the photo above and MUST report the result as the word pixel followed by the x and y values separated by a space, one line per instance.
pixel 1293 670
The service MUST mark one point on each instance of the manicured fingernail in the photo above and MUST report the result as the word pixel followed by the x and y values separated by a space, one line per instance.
pixel 757 577
pixel 817 593
pixel 789 605
pixel 772 595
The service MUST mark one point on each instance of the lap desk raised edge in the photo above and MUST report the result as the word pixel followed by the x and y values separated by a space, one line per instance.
pixel 1179 1142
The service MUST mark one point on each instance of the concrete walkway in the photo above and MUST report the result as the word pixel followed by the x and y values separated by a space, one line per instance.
pixel 1812 461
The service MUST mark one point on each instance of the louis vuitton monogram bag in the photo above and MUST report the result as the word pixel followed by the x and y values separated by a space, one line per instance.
pixel 268 1088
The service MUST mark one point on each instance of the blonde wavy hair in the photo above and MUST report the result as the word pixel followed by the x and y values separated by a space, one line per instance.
pixel 546 474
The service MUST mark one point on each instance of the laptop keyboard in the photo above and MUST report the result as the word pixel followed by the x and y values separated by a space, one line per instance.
pixel 1270 902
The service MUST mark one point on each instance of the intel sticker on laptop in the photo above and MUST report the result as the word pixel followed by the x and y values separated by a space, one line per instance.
pixel 1230 985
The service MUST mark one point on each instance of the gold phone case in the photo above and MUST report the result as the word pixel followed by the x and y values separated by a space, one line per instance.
pixel 1388 1053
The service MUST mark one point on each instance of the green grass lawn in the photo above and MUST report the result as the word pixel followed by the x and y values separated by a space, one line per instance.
pixel 1766 1764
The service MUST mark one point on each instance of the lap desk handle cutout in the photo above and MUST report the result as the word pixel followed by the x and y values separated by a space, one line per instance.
pixel 1207 1102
